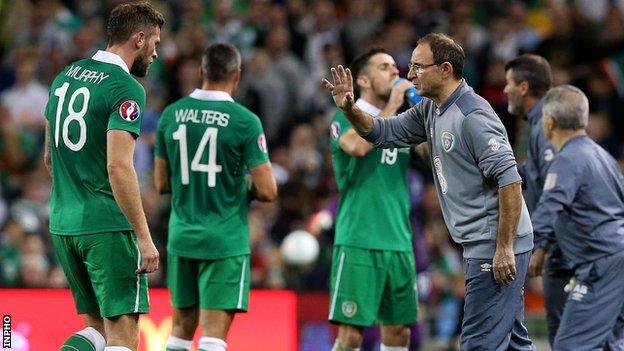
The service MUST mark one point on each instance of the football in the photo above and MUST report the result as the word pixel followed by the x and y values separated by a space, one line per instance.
pixel 299 248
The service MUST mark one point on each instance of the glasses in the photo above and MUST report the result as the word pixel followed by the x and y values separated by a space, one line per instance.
pixel 418 68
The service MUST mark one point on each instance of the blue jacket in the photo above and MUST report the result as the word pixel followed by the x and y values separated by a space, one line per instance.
pixel 584 194
pixel 533 172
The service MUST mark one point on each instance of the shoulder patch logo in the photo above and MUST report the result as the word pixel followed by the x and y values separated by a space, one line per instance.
pixel 334 129
pixel 349 309
pixel 494 144
pixel 551 181
pixel 548 155
pixel 129 110
pixel 262 144
pixel 448 140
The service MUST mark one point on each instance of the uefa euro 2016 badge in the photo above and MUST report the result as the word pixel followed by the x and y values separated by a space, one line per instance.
pixel 334 129
pixel 129 110
pixel 448 140
pixel 262 144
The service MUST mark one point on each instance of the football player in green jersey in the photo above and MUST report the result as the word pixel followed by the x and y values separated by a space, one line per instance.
pixel 205 145
pixel 99 231
pixel 373 278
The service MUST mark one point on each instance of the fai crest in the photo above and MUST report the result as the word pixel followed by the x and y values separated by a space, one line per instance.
pixel 262 144
pixel 334 129
pixel 494 144
pixel 129 110
pixel 448 140
pixel 349 309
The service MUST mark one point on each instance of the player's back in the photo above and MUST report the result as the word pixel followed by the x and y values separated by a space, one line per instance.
pixel 88 98
pixel 209 142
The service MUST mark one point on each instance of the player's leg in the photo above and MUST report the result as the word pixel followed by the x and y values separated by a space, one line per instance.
pixel 223 291
pixel 122 332
pixel 487 322
pixel 184 324
pixel 519 339
pixel 399 303
pixel 215 325
pixel 349 338
pixel 593 305
pixel 357 282
pixel 88 339
pixel 182 282
pixel 112 259
pixel 92 336
pixel 554 299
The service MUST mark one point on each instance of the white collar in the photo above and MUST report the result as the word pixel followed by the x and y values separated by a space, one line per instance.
pixel 367 107
pixel 211 95
pixel 109 57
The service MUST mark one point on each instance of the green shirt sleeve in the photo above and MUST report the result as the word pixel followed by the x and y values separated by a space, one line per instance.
pixel 128 105
pixel 340 125
pixel 255 146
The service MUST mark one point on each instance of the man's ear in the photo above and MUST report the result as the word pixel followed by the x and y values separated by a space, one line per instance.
pixel 139 39
pixel 363 82
pixel 447 70
pixel 523 87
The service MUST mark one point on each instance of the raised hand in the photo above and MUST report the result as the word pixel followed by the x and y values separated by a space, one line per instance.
pixel 342 89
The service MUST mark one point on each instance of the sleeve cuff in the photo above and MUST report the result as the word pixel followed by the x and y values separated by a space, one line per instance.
pixel 509 176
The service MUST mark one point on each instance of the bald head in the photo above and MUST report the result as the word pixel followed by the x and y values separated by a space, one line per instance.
pixel 567 106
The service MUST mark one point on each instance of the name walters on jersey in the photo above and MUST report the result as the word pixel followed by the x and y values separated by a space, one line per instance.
pixel 202 117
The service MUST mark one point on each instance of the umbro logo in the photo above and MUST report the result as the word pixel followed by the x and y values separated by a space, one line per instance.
pixel 486 267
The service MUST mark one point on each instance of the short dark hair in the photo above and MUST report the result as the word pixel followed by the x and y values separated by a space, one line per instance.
pixel 445 49
pixel 219 61
pixel 360 62
pixel 127 19
pixel 533 69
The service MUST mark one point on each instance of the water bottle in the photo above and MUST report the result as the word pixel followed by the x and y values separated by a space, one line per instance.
pixel 411 95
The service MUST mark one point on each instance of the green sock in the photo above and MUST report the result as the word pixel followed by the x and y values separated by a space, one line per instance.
pixel 78 342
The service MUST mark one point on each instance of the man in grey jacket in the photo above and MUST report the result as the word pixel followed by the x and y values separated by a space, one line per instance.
pixel 584 194
pixel 478 185
pixel 528 78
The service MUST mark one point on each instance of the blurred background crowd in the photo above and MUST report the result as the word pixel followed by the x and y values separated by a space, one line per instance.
pixel 287 47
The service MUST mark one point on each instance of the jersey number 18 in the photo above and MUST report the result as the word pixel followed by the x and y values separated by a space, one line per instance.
pixel 74 115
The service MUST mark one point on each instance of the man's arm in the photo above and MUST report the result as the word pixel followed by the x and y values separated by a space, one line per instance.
pixel 401 131
pixel 353 144
pixel 509 207
pixel 47 158
pixel 124 183
pixel 262 186
pixel 487 142
pixel 560 187
pixel 161 175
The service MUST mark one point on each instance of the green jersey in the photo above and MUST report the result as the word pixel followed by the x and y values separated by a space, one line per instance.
pixel 374 198
pixel 209 142
pixel 88 98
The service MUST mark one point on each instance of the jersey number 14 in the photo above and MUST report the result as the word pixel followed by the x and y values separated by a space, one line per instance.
pixel 212 168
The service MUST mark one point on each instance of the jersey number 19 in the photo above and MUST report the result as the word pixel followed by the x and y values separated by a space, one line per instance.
pixel 212 168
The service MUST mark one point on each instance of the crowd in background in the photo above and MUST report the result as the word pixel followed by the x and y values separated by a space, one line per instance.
pixel 287 47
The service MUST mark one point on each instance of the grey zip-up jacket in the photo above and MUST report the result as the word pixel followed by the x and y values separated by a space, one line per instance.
pixel 533 173
pixel 583 193
pixel 471 159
